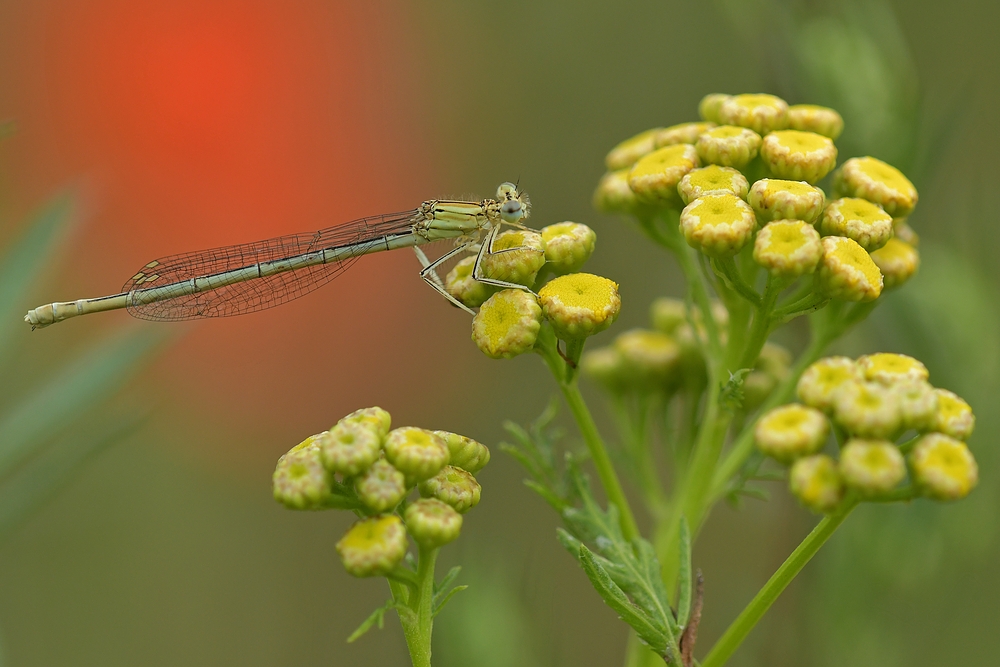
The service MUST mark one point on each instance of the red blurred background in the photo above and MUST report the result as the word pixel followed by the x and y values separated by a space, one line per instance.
pixel 192 124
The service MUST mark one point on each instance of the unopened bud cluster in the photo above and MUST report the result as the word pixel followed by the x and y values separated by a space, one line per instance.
pixel 872 402
pixel 364 465
pixel 747 176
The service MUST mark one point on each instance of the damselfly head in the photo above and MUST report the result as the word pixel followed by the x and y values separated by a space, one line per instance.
pixel 514 205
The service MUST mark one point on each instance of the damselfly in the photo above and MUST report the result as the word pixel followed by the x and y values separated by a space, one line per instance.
pixel 248 277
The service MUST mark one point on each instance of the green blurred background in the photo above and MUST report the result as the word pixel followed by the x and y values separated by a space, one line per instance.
pixel 165 548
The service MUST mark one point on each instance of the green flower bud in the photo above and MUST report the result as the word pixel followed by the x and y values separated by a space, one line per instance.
pixel 867 409
pixel 375 418
pixel 819 382
pixel 816 482
pixel 579 305
pixel 685 133
pixel 943 467
pixel 667 314
pixel 812 118
pixel 798 156
pixel 350 447
pixel 774 199
pixel 897 260
pixel 757 386
pixel 461 285
pixel 433 523
pixel 708 108
pixel 889 368
pixel 517 256
pixel 465 453
pixel 775 360
pixel 416 452
pixel 712 180
pixel 381 487
pixel 918 404
pixel 857 219
pixel 791 432
pixel 878 182
pixel 760 113
pixel 718 225
pixel 373 546
pixel 654 178
pixel 613 195
pixel 300 481
pixel 728 146
pixel 507 324
pixel 453 486
pixel 650 357
pixel 568 245
pixel 605 366
pixel 954 416
pixel 626 153
pixel 847 271
pixel 871 466
pixel 788 248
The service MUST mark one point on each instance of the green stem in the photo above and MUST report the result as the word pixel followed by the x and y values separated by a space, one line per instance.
pixel 416 614
pixel 546 347
pixel 725 267
pixel 749 617
pixel 762 323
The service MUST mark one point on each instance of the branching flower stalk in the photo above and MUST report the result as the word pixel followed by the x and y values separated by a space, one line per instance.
pixel 740 200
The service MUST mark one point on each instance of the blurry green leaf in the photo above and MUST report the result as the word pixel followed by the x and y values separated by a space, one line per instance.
pixel 73 392
pixel 24 261
pixel 440 602
pixel 377 617
pixel 42 475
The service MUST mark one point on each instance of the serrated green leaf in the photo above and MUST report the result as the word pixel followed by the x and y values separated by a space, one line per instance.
pixel 647 628
pixel 447 579
pixel 731 396
pixel 376 617
pixel 72 392
pixel 684 576
pixel 23 262
pixel 439 605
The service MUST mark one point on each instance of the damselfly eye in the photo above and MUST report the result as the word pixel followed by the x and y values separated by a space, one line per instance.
pixel 507 191
pixel 511 211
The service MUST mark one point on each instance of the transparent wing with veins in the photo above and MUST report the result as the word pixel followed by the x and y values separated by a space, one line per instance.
pixel 360 236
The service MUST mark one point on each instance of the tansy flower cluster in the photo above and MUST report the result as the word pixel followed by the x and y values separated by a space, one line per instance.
pixel 361 464
pixel 871 404
pixel 746 179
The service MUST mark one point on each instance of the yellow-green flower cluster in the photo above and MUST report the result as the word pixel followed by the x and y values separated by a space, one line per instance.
pixel 364 465
pixel 781 152
pixel 872 402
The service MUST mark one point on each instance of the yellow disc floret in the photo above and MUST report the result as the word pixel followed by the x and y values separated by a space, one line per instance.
pixel 708 108
pixel 943 467
pixel 626 153
pixel 867 409
pixel 461 285
pixel 847 271
pixel 373 546
pixel 718 225
pixel 648 358
pixel 788 248
pixel 823 378
pixel 897 260
pixel 954 416
pixel 685 133
pixel 654 178
pixel 870 178
pixel 580 304
pixel 568 245
pixel 613 195
pixel 857 219
pixel 516 256
pixel 798 156
pixel 871 466
pixel 712 180
pixel 761 113
pixel 889 368
pixel 791 432
pixel 507 324
pixel 416 452
pixel 816 482
pixel 776 199
pixel 812 118
pixel 728 146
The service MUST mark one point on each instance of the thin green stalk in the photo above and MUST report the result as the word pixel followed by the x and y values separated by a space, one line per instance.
pixel 546 347
pixel 415 608
pixel 725 268
pixel 751 615
pixel 762 322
